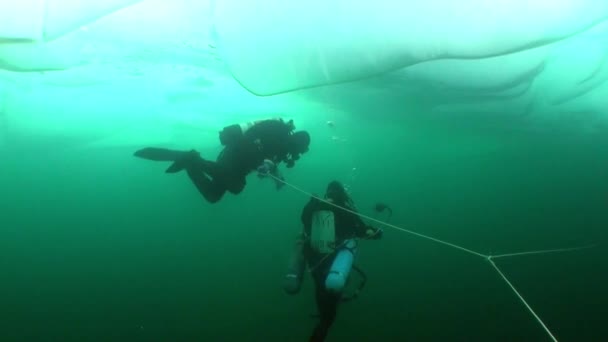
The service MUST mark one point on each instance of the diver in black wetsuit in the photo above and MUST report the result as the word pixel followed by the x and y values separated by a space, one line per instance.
pixel 320 250
pixel 260 145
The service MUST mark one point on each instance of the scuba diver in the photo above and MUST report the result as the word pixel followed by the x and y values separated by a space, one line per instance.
pixel 259 145
pixel 328 245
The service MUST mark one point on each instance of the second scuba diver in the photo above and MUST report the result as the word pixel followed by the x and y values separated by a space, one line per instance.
pixel 260 145
pixel 328 244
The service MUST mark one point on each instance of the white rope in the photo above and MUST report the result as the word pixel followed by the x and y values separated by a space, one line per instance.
pixel 522 300
pixel 487 257
pixel 379 221
pixel 543 251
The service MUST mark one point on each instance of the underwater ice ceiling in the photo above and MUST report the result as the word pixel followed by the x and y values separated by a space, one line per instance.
pixel 547 55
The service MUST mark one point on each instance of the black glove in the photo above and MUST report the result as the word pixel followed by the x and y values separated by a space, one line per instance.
pixel 373 233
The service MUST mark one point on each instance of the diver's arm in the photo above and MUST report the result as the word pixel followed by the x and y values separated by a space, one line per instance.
pixel 365 231
pixel 290 160
pixel 360 227
pixel 270 167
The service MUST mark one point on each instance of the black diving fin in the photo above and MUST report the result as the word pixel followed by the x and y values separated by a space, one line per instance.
pixel 180 159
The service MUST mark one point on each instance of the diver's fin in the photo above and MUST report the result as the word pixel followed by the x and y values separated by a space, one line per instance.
pixel 184 160
pixel 160 154
pixel 180 159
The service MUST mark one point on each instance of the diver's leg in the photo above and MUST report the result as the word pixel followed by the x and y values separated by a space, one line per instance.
pixel 235 184
pixel 212 189
pixel 327 304
pixel 197 167
pixel 211 168
pixel 226 172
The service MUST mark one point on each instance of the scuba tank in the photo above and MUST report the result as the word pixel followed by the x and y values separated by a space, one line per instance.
pixel 323 232
pixel 295 269
pixel 232 134
pixel 323 240
pixel 341 267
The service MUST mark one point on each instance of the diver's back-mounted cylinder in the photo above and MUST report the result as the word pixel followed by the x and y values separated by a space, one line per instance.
pixel 231 134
